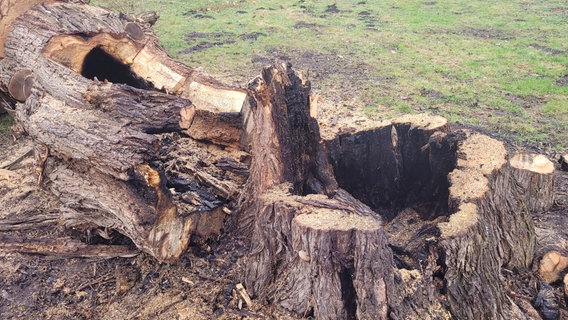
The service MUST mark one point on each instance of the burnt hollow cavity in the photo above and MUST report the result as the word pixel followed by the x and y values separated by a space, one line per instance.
pixel 99 64
pixel 348 294
pixel 401 172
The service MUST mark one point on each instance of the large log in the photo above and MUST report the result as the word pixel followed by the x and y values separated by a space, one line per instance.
pixel 100 98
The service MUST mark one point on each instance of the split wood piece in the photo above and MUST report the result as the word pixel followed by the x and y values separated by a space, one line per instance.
pixel 552 265
pixel 489 228
pixel 327 258
pixel 221 128
pixel 136 48
pixel 27 223
pixel 142 211
pixel 79 37
pixel 109 145
pixel 285 140
pixel 243 292
pixel 534 175
pixel 63 247
pixel 145 110
pixel 105 134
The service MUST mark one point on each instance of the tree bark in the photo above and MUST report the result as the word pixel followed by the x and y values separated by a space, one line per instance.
pixel 534 175
pixel 103 101
pixel 316 250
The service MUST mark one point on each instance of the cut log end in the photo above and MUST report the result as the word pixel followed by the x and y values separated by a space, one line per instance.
pixel 482 153
pixel 426 122
pixel 552 265
pixel 20 85
pixel 460 222
pixel 336 220
pixel 534 174
pixel 536 163
pixel 134 31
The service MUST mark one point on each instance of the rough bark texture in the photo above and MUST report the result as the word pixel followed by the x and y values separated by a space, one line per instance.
pixel 313 254
pixel 489 229
pixel 87 85
pixel 534 175
pixel 454 240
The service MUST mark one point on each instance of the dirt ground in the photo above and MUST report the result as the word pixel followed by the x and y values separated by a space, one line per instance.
pixel 200 286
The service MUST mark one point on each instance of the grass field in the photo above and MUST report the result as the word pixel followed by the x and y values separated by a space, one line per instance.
pixel 498 65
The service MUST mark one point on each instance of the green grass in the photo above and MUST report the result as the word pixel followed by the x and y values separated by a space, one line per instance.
pixel 491 64
pixel 5 124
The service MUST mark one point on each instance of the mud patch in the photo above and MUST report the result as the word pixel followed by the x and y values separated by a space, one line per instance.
pixel 332 8
pixel 306 25
pixel 485 33
pixel 552 51
pixel 199 41
pixel 253 36
pixel 433 94
pixel 341 76
pixel 563 81
pixel 197 14
pixel 369 20
pixel 526 101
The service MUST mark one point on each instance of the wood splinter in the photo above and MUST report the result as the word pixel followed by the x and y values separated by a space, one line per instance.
pixel 243 292
pixel 40 160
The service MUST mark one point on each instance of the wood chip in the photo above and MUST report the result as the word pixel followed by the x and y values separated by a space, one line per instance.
pixel 304 255
pixel 243 292
pixel 186 280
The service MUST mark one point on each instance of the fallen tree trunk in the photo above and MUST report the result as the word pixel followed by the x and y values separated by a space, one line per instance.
pixel 102 100
pixel 401 219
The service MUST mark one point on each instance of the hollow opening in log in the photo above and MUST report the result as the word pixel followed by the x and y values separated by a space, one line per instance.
pixel 101 65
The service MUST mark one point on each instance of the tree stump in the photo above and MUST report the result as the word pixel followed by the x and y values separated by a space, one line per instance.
pixel 401 219
pixel 316 250
pixel 534 175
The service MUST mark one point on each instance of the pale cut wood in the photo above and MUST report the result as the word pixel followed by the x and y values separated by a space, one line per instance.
pixel 534 175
